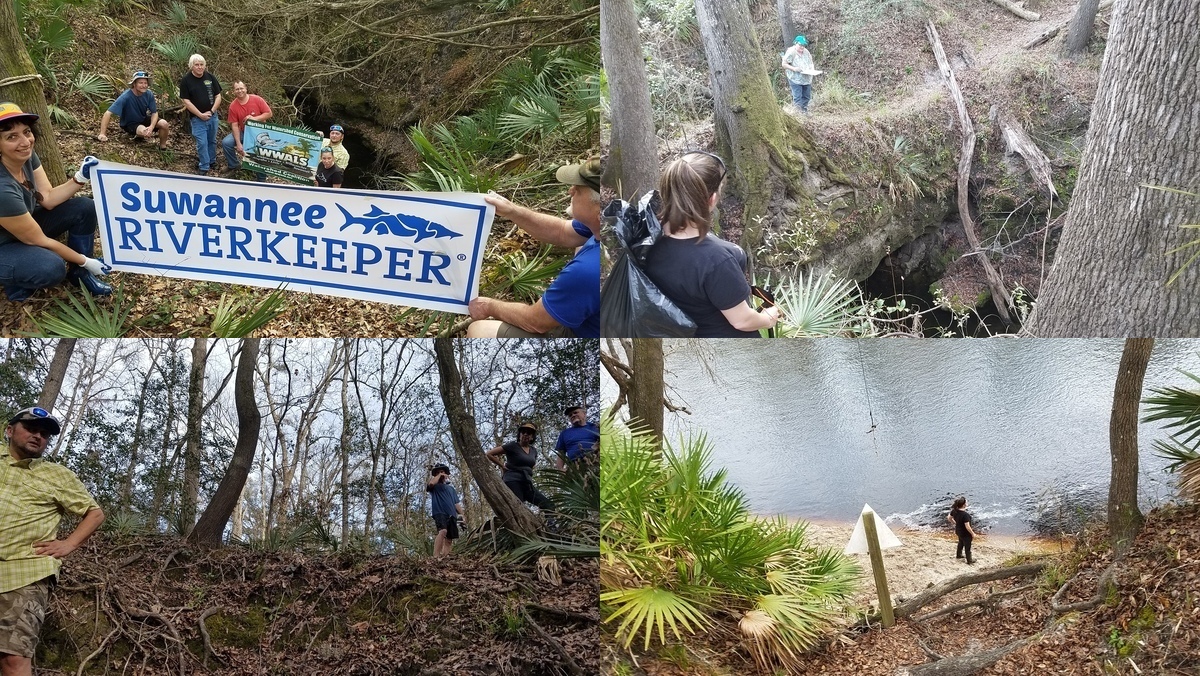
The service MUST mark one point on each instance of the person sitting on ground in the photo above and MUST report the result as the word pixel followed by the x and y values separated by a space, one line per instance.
pixel 137 111
pixel 577 441
pixel 445 507
pixel 962 528
pixel 329 174
pixel 517 459
pixel 705 276
pixel 245 107
pixel 798 62
pixel 200 92
pixel 33 214
pixel 341 156
pixel 571 305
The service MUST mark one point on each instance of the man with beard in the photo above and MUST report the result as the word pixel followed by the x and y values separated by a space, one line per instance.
pixel 36 493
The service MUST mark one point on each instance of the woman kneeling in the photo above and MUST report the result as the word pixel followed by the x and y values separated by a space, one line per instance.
pixel 33 214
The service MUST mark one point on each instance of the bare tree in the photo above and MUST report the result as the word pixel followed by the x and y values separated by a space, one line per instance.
pixel 58 370
pixel 1124 517
pixel 511 513
pixel 211 526
pixel 784 9
pixel 1079 31
pixel 1124 239
pixel 344 443
pixel 632 165
pixel 191 457
pixel 646 384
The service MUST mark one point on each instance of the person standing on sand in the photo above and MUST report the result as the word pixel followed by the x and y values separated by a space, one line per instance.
pixel 962 527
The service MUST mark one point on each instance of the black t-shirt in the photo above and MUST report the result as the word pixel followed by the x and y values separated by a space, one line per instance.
pixel 326 178
pixel 201 91
pixel 519 463
pixel 961 519
pixel 702 277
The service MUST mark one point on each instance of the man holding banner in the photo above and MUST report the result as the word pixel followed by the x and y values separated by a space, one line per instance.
pixel 245 106
pixel 571 305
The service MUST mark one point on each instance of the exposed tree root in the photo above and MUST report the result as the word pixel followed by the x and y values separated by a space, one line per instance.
pixel 989 601
pixel 568 661
pixel 964 665
pixel 927 596
pixel 1105 578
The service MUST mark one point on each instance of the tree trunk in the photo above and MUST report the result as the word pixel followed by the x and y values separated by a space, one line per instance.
pixel 632 165
pixel 784 9
pixel 646 385
pixel 191 458
pixel 58 371
pixel 764 149
pixel 211 527
pixel 1110 274
pixel 1124 517
pixel 1079 31
pixel 344 446
pixel 510 512
pixel 15 64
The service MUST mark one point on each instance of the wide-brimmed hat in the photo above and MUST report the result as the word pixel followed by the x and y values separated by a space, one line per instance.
pixel 585 174
pixel 11 111
pixel 137 75
pixel 37 414
pixel 527 426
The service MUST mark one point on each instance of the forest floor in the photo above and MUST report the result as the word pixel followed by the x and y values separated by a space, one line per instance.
pixel 165 306
pixel 1145 623
pixel 160 606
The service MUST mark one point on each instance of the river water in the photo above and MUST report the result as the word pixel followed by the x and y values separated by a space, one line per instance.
pixel 817 428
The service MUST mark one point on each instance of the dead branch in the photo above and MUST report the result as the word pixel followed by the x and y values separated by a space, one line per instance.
pixel 1001 296
pixel 1018 141
pixel 989 601
pixel 1105 578
pixel 99 649
pixel 924 598
pixel 570 615
pixel 963 665
pixel 1017 10
pixel 572 667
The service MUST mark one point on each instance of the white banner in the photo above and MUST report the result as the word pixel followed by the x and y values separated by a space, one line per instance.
pixel 406 248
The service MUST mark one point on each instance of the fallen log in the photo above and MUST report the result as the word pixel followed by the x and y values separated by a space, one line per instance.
pixel 1017 140
pixel 927 596
pixel 1017 10
pixel 1000 295
pixel 990 601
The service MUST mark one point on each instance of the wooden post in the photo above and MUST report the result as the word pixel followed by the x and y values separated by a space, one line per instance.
pixel 881 588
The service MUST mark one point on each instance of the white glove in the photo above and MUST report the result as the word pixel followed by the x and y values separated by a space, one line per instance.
pixel 84 175
pixel 95 266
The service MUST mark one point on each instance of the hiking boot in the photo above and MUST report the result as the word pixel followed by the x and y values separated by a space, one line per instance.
pixel 18 294
pixel 94 286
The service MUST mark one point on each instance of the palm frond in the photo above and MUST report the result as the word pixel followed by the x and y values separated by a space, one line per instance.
pixel 813 305
pixel 238 317
pixel 84 319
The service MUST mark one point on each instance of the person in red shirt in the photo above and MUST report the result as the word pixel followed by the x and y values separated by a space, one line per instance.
pixel 245 106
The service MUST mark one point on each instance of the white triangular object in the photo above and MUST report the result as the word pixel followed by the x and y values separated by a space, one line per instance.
pixel 858 539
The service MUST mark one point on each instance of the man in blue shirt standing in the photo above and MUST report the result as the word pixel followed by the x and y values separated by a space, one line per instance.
pixel 571 305
pixel 578 440
pixel 137 111
pixel 445 507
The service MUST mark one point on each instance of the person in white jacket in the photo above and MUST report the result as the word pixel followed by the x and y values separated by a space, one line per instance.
pixel 798 63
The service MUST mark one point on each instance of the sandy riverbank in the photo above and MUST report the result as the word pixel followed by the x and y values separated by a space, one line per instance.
pixel 926 557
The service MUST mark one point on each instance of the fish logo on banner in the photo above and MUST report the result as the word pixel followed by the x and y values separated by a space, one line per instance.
pixel 401 225
pixel 417 249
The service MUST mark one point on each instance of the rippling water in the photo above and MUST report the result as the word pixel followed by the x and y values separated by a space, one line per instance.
pixel 815 428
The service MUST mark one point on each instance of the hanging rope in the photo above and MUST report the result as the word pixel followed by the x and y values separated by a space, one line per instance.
pixel 18 79
pixel 867 391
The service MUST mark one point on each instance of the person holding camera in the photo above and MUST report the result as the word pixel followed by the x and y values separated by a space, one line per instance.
pixel 447 509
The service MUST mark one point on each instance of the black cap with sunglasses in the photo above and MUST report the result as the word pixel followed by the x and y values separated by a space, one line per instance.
pixel 39 415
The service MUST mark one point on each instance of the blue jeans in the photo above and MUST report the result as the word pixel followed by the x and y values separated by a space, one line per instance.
pixel 801 95
pixel 231 157
pixel 32 267
pixel 205 133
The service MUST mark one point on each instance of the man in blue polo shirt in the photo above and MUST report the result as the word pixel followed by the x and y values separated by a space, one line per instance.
pixel 571 305
pixel 137 111
pixel 578 440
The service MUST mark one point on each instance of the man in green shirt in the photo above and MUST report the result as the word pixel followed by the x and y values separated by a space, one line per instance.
pixel 34 495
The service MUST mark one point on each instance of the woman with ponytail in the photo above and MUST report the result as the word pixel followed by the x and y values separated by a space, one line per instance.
pixel 705 276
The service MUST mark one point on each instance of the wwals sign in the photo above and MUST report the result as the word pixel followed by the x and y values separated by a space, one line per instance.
pixel 418 249
pixel 289 153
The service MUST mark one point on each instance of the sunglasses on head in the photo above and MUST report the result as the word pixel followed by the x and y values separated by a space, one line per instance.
pixel 720 161
pixel 140 74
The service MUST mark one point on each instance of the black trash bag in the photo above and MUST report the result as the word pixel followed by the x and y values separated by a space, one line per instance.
pixel 631 306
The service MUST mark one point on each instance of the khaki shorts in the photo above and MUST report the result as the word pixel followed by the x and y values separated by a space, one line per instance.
pixel 507 330
pixel 21 614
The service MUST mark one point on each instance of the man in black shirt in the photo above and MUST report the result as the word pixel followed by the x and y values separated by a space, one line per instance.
pixel 201 95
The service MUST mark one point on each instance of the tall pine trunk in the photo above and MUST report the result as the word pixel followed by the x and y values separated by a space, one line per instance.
pixel 646 385
pixel 1124 517
pixel 58 369
pixel 1114 259
pixel 14 64
pixel 211 526
pixel 1079 31
pixel 632 165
